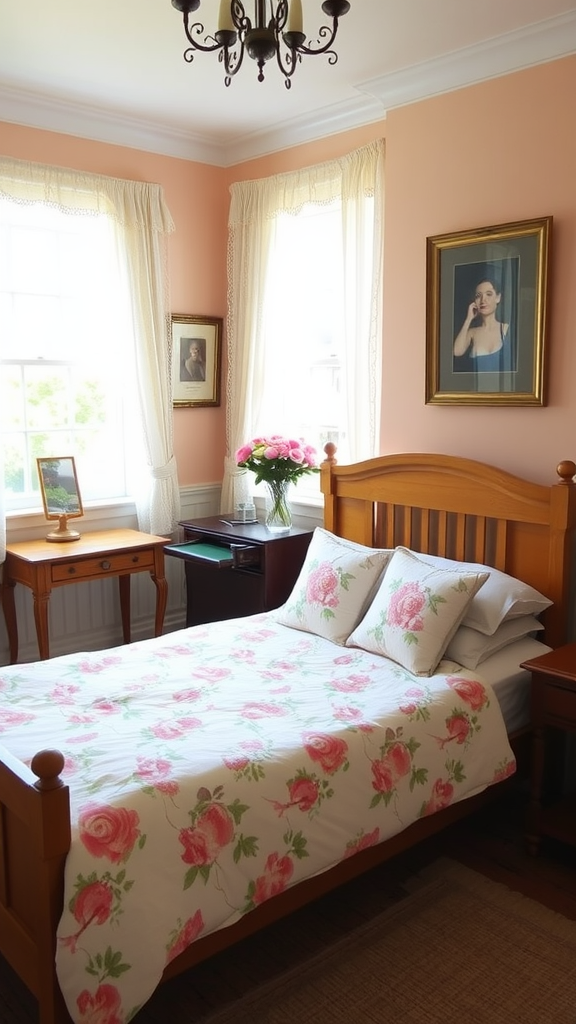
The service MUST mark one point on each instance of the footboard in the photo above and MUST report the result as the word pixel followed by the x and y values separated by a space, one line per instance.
pixel 34 841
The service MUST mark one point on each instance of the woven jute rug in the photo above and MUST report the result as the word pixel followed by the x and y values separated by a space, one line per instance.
pixel 456 949
pixel 460 950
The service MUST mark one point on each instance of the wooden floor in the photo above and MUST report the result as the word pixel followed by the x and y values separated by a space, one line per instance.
pixel 492 842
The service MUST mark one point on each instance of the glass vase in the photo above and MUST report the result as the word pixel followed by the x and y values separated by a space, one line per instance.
pixel 278 514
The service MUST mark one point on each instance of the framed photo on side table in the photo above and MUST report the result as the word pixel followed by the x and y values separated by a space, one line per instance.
pixel 486 296
pixel 60 494
pixel 196 355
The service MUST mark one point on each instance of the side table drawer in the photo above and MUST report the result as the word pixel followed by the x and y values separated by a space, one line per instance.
pixel 560 705
pixel 87 568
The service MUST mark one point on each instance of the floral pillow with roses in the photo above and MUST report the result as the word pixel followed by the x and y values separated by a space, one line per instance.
pixel 416 612
pixel 336 584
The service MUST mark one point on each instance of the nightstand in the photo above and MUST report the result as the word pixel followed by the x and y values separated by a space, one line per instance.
pixel 237 570
pixel 553 704
pixel 42 565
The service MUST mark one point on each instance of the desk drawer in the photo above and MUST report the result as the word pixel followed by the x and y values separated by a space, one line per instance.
pixel 104 565
pixel 560 706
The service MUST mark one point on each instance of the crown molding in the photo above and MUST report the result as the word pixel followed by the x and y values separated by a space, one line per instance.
pixel 37 110
pixel 328 121
pixel 52 114
pixel 536 44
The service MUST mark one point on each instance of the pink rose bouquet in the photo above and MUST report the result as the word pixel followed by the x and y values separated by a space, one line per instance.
pixel 276 459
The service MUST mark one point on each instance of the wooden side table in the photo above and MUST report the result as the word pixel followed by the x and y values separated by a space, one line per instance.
pixel 42 565
pixel 251 570
pixel 553 705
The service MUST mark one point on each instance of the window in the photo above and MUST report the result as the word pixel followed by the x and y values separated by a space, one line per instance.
pixel 303 326
pixel 65 344
pixel 305 307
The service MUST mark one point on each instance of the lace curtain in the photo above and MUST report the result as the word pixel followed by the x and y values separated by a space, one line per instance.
pixel 142 223
pixel 254 207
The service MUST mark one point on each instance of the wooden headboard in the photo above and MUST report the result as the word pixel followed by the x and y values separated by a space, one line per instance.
pixel 460 508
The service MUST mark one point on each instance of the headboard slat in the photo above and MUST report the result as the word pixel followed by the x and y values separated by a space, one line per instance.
pixel 480 542
pixel 500 545
pixel 460 536
pixel 425 527
pixel 442 542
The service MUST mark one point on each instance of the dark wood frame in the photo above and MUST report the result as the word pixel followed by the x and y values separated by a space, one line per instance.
pixel 207 331
pixel 518 254
pixel 434 503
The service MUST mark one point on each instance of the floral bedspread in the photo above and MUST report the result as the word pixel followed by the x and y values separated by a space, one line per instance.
pixel 214 767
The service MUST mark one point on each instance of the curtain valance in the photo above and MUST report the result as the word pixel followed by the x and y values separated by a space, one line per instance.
pixel 133 204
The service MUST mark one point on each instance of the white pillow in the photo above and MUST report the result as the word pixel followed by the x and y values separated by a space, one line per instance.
pixel 336 584
pixel 470 648
pixel 501 598
pixel 416 612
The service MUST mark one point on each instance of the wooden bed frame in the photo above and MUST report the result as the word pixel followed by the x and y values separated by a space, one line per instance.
pixel 431 503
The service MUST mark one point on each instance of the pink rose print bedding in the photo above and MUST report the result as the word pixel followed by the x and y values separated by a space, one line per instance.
pixel 206 770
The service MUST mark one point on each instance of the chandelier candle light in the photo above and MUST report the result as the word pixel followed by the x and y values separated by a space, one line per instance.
pixel 278 462
pixel 277 30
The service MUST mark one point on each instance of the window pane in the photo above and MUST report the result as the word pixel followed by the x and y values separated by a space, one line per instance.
pixel 304 319
pixel 66 341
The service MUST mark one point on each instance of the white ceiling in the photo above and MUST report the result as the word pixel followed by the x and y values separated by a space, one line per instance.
pixel 113 70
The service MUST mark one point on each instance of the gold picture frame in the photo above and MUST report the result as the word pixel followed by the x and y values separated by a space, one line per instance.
pixel 196 356
pixel 483 286
pixel 60 494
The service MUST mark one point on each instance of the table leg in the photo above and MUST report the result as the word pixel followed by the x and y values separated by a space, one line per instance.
pixel 161 585
pixel 9 608
pixel 41 619
pixel 536 789
pixel 124 587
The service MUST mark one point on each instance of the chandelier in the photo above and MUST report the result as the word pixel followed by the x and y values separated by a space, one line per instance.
pixel 276 31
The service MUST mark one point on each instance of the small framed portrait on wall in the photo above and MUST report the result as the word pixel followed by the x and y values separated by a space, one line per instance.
pixel 196 356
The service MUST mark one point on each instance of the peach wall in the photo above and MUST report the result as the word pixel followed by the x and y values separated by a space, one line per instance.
pixel 501 151
pixel 197 197
pixel 497 152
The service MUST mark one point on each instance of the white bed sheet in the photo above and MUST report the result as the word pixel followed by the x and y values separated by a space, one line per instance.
pixel 510 683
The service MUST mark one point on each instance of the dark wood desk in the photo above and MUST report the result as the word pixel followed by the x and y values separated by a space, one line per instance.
pixel 257 571
pixel 42 565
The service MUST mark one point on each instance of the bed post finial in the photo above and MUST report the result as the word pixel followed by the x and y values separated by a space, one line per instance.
pixel 330 451
pixel 566 470
pixel 47 765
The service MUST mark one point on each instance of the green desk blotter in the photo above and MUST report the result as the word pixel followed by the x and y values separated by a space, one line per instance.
pixel 206 552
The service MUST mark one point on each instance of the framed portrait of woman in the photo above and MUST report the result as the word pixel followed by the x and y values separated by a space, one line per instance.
pixel 195 354
pixel 486 297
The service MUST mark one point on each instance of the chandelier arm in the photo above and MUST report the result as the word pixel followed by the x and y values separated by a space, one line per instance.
pixel 323 31
pixel 281 16
pixel 239 17
pixel 232 61
pixel 198 27
pixel 289 66
pixel 287 61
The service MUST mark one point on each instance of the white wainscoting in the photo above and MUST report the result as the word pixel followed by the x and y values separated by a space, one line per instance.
pixel 86 617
